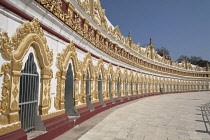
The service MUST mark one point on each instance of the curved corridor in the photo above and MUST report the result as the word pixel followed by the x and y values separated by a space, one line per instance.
pixel 164 117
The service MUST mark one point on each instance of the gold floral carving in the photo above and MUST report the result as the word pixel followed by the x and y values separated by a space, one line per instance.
pixel 45 99
pixel 59 99
pixel 87 63
pixel 69 53
pixel 58 91
pixel 6 45
pixel 100 67
pixel 82 27
pixel 30 33
pixel 9 128
pixel 85 5
pixel 51 115
pixel 9 103
pixel 6 88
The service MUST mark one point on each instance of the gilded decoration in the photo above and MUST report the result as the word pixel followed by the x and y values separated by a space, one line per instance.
pixel 100 69
pixel 10 128
pixel 6 88
pixel 59 88
pixel 53 114
pixel 29 34
pixel 45 100
pixel 88 65
pixel 69 53
pixel 82 27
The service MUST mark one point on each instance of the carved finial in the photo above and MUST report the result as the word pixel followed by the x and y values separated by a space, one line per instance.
pixel 207 66
pixel 129 34
pixel 150 43
pixel 163 53
pixel 186 59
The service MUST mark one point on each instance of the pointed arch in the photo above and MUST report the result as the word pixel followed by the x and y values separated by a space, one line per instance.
pixel 100 81
pixel 110 70
pixel 28 35
pixel 125 73
pixel 110 82
pixel 118 72
pixel 88 71
pixel 100 67
pixel 68 54
pixel 88 64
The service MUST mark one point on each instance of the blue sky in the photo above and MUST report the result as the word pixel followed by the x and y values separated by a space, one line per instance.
pixel 181 26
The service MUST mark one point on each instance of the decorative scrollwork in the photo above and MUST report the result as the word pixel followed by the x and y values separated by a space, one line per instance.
pixel 6 88
pixel 8 46
pixel 63 57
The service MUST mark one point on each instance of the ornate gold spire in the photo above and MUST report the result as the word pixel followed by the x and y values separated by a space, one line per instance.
pixel 129 35
pixel 150 43
pixel 207 66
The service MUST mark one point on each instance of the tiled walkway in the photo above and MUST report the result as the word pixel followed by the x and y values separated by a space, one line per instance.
pixel 163 117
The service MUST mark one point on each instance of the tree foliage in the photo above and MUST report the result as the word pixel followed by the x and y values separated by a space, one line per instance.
pixel 182 58
pixel 163 52
pixel 193 60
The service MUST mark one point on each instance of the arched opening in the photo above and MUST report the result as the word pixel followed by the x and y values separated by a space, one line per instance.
pixel 88 86
pixel 182 86
pixel 126 88
pixel 131 84
pixel 88 96
pixel 69 93
pixel 207 86
pixel 177 87
pixel 145 87
pixel 149 90
pixel 28 97
pixel 100 90
pixel 141 87
pixel 156 87
pixel 194 86
pixel 189 87
pixel 110 89
pixel 118 88
pixel 137 87
pixel 174 87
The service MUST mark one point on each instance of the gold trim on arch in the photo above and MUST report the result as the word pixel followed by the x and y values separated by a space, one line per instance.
pixel 69 53
pixel 88 64
pixel 29 34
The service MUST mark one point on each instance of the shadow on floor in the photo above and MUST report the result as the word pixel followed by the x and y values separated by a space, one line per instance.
pixel 205 112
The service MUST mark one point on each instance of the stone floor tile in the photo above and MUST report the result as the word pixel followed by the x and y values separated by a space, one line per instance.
pixel 170 116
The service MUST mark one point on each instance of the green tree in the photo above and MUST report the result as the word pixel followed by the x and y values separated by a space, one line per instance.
pixel 193 60
pixel 182 58
pixel 163 52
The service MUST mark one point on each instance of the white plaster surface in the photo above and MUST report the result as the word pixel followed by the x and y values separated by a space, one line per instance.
pixel 10 23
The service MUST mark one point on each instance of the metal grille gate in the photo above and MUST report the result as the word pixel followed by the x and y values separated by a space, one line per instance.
pixel 28 94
